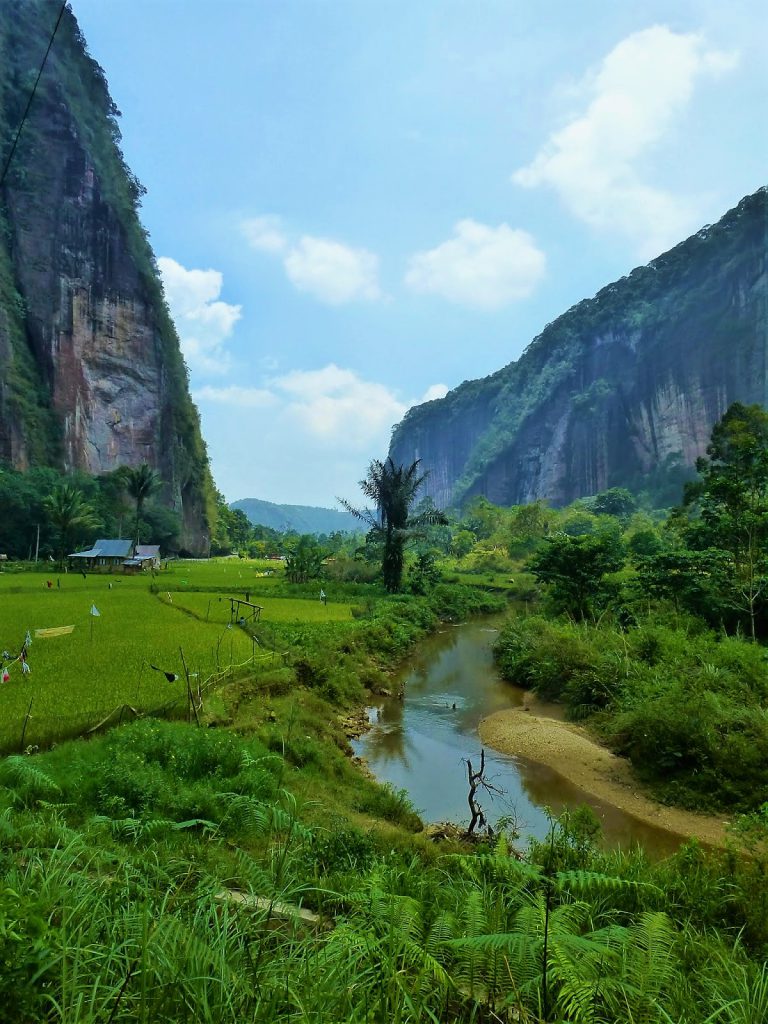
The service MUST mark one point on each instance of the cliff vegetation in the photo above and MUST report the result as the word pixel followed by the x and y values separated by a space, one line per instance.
pixel 91 372
pixel 621 390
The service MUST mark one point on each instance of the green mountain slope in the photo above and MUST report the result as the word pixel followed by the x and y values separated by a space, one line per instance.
pixel 622 389
pixel 301 518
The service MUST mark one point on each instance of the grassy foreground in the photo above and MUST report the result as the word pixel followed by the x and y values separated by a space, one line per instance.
pixel 165 872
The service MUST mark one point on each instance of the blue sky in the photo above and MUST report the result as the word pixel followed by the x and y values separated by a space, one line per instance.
pixel 357 205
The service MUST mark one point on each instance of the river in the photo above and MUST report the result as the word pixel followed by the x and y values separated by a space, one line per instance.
pixel 420 743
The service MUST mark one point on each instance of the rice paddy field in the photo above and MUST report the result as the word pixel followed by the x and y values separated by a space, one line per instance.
pixel 104 665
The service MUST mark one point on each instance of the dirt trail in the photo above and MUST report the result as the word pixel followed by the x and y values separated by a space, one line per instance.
pixel 567 749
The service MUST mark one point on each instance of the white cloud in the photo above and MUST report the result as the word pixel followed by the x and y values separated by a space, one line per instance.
pixel 333 272
pixel 203 321
pixel 303 436
pixel 265 233
pixel 433 392
pixel 636 95
pixel 479 266
pixel 244 398
pixel 334 404
pixel 331 405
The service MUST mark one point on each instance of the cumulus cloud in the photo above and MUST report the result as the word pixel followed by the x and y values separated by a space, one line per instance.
pixel 203 321
pixel 329 270
pixel 331 405
pixel 265 233
pixel 303 436
pixel 333 272
pixel 433 391
pixel 480 266
pixel 634 98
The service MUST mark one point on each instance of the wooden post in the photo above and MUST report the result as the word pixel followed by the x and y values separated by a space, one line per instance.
pixel 190 695
pixel 26 723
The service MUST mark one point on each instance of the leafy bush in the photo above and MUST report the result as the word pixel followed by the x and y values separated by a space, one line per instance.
pixel 391 804
pixel 687 706
pixel 553 658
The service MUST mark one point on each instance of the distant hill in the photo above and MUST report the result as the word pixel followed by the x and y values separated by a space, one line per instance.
pixel 301 518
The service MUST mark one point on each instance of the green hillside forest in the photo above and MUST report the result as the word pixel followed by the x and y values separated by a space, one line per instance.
pixel 298 518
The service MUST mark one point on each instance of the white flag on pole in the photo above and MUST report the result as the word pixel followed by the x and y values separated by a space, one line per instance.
pixel 95 610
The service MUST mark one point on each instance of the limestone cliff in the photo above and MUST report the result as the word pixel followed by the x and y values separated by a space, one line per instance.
pixel 91 375
pixel 623 389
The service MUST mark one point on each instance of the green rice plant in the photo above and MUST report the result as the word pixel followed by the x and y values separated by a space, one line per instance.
pixel 213 607
pixel 108 661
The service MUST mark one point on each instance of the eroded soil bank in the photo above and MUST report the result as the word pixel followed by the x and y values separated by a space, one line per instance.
pixel 568 750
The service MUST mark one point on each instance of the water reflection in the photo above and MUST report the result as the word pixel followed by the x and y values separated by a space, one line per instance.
pixel 421 744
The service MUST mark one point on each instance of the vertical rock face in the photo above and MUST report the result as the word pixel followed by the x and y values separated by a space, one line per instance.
pixel 623 389
pixel 91 375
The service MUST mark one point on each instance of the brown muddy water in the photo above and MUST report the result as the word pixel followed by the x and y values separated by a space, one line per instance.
pixel 419 744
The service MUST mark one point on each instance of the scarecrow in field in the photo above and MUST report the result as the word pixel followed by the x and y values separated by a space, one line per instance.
pixel 20 659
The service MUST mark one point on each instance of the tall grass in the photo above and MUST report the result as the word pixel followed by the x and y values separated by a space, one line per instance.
pixel 171 890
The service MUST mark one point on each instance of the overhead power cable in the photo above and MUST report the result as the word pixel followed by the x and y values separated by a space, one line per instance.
pixel 32 94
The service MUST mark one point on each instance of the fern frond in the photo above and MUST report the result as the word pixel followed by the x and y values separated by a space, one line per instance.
pixel 594 883
pixel 28 783
pixel 497 868
pixel 650 964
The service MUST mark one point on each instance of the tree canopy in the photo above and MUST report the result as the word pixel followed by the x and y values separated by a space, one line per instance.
pixel 69 514
pixel 393 489
pixel 140 482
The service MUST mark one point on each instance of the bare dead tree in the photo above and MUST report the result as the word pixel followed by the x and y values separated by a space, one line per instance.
pixel 477 780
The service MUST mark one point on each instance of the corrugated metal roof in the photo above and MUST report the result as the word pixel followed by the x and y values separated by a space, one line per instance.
pixel 147 550
pixel 114 548
pixel 105 548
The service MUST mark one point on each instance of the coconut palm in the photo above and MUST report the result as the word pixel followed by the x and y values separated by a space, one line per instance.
pixel 140 482
pixel 393 490
pixel 68 513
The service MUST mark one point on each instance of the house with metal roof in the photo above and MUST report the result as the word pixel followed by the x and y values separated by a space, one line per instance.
pixel 105 556
pixel 148 555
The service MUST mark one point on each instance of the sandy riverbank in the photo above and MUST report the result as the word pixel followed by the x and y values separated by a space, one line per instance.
pixel 568 749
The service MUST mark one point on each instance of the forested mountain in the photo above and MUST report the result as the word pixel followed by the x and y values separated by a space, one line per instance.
pixel 297 518
pixel 622 389
pixel 91 374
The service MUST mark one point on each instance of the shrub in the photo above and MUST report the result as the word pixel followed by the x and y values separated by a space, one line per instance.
pixel 384 801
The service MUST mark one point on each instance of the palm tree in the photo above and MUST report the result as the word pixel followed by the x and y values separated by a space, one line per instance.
pixel 393 489
pixel 68 513
pixel 140 482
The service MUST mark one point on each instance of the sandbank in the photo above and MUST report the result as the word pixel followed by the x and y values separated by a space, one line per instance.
pixel 569 750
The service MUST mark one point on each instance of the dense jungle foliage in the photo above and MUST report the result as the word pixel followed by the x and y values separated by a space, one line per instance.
pixel 23 497
pixel 652 626
pixel 166 873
